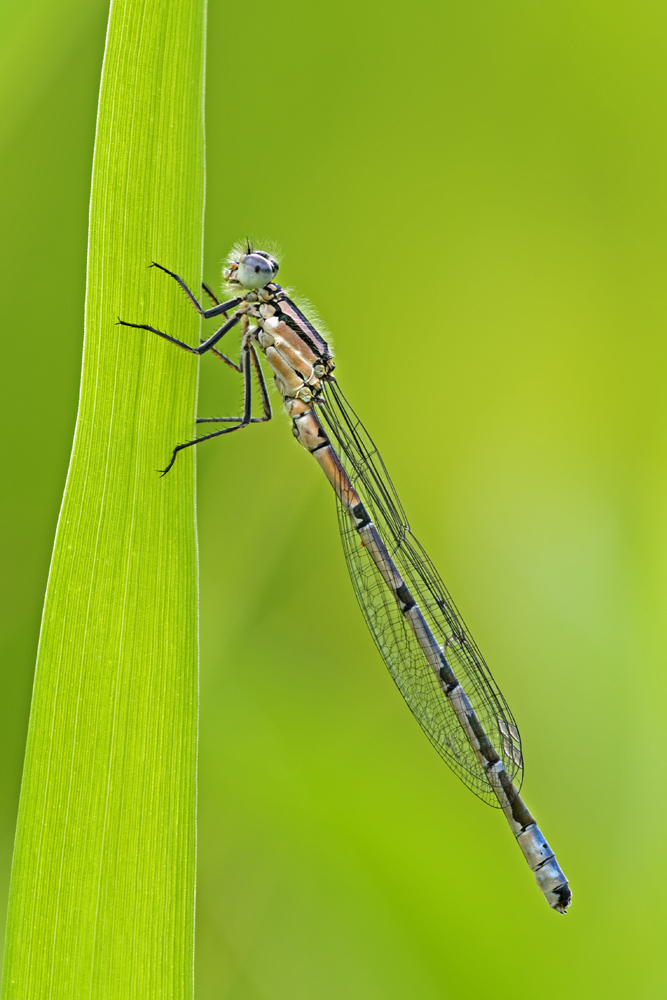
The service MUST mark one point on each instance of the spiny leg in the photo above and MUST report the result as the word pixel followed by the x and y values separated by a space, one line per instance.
pixel 223 357
pixel 206 345
pixel 259 375
pixel 243 422
pixel 228 420
pixel 220 307
pixel 210 294
pixel 247 384
pixel 249 362
pixel 205 437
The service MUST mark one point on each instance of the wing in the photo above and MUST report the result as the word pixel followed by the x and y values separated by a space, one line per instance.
pixel 394 638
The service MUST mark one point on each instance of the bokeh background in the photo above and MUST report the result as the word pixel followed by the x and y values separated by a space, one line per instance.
pixel 474 197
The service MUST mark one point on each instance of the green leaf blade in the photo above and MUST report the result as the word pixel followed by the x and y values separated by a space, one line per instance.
pixel 102 894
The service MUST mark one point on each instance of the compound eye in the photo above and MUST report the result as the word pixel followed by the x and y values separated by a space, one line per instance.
pixel 256 270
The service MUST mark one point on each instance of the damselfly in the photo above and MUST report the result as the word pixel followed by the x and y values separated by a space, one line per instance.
pixel 429 652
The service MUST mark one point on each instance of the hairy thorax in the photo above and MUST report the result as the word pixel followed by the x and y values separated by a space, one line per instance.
pixel 297 353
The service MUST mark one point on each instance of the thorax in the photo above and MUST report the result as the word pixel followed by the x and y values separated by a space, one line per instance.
pixel 296 351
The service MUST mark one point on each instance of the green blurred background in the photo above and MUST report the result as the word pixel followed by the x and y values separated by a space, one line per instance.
pixel 474 197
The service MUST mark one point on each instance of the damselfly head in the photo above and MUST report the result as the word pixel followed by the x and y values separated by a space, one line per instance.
pixel 252 270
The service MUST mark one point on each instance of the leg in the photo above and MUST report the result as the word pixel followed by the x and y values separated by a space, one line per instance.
pixel 229 420
pixel 249 362
pixel 203 347
pixel 223 357
pixel 220 307
pixel 206 437
pixel 259 375
pixel 210 294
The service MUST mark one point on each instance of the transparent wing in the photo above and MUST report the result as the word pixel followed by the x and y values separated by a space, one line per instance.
pixel 393 636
